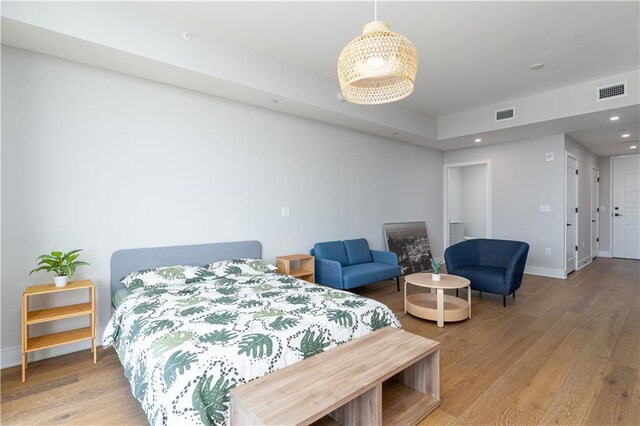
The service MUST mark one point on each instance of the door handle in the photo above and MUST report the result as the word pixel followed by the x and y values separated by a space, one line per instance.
pixel 617 214
pixel 593 221
pixel 568 224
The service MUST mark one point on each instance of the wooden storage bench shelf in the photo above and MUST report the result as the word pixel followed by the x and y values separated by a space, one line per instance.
pixel 390 376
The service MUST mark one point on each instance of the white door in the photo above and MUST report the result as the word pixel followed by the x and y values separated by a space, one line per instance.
pixel 595 212
pixel 625 184
pixel 572 216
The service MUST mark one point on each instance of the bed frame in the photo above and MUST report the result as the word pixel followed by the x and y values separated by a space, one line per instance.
pixel 124 262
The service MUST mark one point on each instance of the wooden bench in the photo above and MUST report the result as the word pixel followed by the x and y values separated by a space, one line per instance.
pixel 390 376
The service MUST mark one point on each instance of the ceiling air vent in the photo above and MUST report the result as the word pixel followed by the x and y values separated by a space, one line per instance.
pixel 611 91
pixel 505 114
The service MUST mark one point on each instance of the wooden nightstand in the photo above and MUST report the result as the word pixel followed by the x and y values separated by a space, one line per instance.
pixel 301 266
pixel 30 344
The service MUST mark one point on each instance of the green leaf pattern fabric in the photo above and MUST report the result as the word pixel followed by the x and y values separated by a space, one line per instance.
pixel 184 348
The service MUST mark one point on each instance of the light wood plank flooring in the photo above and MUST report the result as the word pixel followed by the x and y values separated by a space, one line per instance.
pixel 562 352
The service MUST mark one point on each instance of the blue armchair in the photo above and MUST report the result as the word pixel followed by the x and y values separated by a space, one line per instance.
pixel 494 266
pixel 350 264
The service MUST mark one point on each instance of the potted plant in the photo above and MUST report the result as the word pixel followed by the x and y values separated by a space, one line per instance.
pixel 435 265
pixel 62 264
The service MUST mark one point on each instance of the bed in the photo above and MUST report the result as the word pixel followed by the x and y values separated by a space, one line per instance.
pixel 183 347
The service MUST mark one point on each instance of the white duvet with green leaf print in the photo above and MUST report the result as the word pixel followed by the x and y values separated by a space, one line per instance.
pixel 184 347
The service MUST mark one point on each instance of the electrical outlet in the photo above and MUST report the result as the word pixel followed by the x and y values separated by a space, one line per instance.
pixel 547 251
pixel 286 212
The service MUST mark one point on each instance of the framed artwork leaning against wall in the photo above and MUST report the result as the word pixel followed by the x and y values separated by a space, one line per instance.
pixel 410 242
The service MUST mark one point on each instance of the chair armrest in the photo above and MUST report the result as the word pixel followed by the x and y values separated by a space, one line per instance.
pixel 515 269
pixel 387 257
pixel 329 272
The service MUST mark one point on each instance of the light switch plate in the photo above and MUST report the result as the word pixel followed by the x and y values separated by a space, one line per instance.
pixel 544 208
pixel 548 156
pixel 286 212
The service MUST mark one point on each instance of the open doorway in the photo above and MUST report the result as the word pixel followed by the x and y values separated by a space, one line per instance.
pixel 467 204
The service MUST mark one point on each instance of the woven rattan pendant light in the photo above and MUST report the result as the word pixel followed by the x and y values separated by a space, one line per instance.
pixel 377 67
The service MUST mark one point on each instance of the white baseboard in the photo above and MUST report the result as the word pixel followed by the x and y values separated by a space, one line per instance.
pixel 545 272
pixel 604 253
pixel 13 356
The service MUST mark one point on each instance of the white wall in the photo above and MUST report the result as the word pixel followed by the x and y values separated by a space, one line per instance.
pixel 474 200
pixel 586 161
pixel 521 180
pixel 102 161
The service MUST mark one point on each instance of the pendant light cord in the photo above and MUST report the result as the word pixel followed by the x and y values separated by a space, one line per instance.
pixel 375 10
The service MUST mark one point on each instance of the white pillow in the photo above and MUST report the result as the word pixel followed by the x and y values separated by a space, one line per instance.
pixel 164 277
pixel 240 267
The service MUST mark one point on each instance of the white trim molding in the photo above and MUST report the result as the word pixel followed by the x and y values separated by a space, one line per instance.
pixel 545 272
pixel 603 253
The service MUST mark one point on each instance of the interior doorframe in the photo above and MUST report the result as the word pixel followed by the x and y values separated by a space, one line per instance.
pixel 446 168
pixel 611 197
pixel 595 172
pixel 577 217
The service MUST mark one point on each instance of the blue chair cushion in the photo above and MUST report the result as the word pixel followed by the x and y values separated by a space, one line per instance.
pixel 331 250
pixel 358 251
pixel 484 278
pixel 367 273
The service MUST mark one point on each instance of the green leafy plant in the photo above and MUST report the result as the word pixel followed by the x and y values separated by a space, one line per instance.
pixel 61 264
pixel 435 265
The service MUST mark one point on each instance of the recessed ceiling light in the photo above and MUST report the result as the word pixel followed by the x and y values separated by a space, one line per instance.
pixel 274 101
pixel 625 135
pixel 478 140
pixel 614 118
pixel 633 147
pixel 537 66
pixel 186 35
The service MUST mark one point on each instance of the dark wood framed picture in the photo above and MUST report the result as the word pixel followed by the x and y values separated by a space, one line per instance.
pixel 410 242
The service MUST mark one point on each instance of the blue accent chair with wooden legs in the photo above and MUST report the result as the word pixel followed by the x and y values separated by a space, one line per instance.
pixel 349 264
pixel 494 266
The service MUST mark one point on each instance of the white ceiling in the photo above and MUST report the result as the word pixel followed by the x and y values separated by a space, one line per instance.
pixel 603 137
pixel 471 53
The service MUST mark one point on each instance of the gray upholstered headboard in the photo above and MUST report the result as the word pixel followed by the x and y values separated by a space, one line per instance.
pixel 123 262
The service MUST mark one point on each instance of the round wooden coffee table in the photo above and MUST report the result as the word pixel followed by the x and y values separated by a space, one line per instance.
pixel 437 306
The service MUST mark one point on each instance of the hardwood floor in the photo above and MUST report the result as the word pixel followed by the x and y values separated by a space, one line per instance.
pixel 565 351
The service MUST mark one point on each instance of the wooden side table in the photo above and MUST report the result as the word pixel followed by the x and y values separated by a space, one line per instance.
pixel 30 344
pixel 437 306
pixel 301 266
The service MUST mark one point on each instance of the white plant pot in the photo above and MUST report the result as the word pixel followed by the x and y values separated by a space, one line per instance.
pixel 435 277
pixel 61 281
